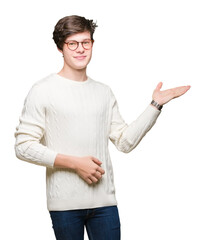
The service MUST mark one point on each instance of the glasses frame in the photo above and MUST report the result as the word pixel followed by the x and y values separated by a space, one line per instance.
pixel 92 41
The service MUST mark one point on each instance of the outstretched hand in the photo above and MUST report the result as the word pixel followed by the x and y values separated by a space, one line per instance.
pixel 163 97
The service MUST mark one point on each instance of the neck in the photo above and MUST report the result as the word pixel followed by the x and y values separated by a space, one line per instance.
pixel 73 74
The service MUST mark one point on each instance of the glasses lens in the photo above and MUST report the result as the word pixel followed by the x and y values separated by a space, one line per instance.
pixel 72 45
pixel 87 44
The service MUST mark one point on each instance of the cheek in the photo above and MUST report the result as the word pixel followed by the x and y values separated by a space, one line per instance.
pixel 89 54
pixel 67 54
pixel 68 57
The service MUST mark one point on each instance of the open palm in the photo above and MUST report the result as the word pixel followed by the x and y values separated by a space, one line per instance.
pixel 163 97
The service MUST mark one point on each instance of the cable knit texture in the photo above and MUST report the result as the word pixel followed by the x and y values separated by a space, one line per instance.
pixel 65 116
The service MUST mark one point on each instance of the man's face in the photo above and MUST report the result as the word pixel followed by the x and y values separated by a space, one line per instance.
pixel 79 58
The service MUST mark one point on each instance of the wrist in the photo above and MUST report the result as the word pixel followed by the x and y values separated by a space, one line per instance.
pixel 156 105
pixel 65 161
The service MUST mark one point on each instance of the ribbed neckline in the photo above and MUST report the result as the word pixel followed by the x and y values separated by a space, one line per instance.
pixel 73 81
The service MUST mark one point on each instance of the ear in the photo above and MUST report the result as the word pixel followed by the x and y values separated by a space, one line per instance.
pixel 60 50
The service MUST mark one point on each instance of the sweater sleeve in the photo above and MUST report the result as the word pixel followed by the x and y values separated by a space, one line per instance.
pixel 30 131
pixel 126 137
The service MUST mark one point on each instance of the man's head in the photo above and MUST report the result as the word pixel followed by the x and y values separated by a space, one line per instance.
pixel 73 36
pixel 70 25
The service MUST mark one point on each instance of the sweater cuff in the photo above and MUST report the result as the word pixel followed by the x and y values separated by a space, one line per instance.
pixel 151 113
pixel 49 158
pixel 153 110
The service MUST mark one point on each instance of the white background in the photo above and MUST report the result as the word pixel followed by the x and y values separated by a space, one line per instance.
pixel 160 184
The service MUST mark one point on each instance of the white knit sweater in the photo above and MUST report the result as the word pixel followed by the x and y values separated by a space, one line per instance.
pixel 65 116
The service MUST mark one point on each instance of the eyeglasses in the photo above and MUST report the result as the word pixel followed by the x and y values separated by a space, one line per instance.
pixel 73 45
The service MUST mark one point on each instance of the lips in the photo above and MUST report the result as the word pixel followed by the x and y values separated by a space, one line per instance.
pixel 80 57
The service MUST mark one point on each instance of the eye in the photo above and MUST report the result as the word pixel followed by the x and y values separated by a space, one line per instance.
pixel 72 43
pixel 87 43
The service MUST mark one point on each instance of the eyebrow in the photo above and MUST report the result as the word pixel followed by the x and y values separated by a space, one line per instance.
pixel 82 40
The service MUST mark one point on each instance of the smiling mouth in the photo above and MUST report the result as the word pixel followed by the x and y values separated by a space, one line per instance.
pixel 80 57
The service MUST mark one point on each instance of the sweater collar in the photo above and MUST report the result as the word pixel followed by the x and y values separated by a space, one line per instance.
pixel 70 81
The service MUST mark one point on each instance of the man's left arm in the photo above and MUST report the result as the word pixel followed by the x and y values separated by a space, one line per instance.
pixel 126 137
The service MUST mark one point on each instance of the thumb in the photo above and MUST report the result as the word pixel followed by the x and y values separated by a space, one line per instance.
pixel 159 86
pixel 96 161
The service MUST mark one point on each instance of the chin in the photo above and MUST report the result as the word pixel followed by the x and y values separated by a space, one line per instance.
pixel 80 67
pixel 83 63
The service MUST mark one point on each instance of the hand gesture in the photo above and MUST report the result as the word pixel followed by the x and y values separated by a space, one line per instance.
pixel 163 97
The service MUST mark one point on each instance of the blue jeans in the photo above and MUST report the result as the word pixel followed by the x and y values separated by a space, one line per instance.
pixel 102 223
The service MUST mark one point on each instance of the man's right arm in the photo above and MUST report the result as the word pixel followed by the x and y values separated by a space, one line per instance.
pixel 28 147
pixel 30 130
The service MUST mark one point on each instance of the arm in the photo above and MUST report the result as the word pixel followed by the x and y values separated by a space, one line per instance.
pixel 28 147
pixel 126 137
pixel 30 131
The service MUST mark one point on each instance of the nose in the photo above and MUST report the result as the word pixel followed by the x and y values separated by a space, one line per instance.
pixel 80 48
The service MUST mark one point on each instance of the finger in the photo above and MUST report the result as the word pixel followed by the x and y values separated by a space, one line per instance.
pixel 99 169
pixel 96 161
pixel 159 86
pixel 89 181
pixel 93 179
pixel 180 90
pixel 98 175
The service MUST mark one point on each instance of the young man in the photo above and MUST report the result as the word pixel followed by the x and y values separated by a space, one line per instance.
pixel 65 125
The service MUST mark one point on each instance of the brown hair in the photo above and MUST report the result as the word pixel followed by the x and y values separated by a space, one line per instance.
pixel 69 25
